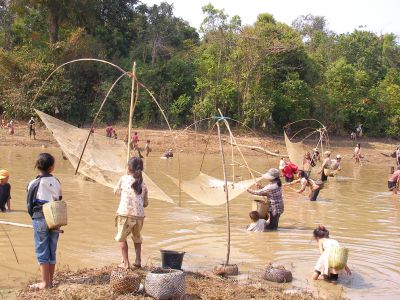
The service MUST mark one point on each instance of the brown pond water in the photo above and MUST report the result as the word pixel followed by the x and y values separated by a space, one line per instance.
pixel 356 208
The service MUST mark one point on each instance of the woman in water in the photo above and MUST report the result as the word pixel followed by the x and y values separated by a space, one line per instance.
pixel 130 213
pixel 321 235
pixel 273 191
pixel 305 182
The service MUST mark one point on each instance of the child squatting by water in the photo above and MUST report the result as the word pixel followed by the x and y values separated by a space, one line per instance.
pixel 321 235
pixel 43 189
pixel 130 213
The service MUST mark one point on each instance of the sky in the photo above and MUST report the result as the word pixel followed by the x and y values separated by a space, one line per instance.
pixel 342 15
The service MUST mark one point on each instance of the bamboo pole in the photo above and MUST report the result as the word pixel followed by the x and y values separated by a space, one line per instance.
pixel 228 222
pixel 132 107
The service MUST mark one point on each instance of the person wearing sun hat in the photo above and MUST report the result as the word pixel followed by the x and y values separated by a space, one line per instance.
pixel 5 190
pixel 273 191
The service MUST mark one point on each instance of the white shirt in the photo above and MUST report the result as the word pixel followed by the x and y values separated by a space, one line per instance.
pixel 131 204
pixel 282 164
pixel 49 189
pixel 258 226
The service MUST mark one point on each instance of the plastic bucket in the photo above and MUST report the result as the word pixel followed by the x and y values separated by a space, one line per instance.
pixel 172 259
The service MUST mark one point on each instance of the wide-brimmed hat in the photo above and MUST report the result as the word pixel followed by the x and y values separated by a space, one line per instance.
pixel 4 174
pixel 271 174
pixel 338 156
pixel 326 153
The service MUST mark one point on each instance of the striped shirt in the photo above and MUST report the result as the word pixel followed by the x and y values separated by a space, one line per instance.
pixel 274 195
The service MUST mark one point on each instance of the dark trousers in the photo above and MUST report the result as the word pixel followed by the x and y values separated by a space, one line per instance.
pixel 323 176
pixel 273 221
pixel 314 194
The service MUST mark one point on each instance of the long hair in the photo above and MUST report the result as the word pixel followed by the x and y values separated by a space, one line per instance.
pixel 278 181
pixel 135 164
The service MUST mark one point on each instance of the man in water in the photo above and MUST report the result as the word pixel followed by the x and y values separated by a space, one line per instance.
pixel 31 127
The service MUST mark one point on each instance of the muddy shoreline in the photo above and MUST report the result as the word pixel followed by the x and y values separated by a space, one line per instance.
pixel 196 142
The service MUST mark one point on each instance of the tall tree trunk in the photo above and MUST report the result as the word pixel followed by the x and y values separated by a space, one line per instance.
pixel 53 27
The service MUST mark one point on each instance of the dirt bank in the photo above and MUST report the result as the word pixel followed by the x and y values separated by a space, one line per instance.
pixel 195 142
pixel 94 284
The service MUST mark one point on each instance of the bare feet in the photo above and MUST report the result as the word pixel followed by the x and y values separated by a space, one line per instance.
pixel 38 286
pixel 124 266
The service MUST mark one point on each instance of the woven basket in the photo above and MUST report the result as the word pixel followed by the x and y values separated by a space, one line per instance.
pixel 261 207
pixel 55 214
pixel 165 284
pixel 124 281
pixel 338 257
pixel 279 275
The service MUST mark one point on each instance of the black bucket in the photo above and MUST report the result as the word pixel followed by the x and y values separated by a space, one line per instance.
pixel 172 259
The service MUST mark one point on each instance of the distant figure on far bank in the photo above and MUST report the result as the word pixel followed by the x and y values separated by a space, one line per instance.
pixel 10 126
pixel 135 140
pixel 147 148
pixel 357 154
pixel 353 136
pixel 393 182
pixel 31 128
pixel 359 130
pixel 109 131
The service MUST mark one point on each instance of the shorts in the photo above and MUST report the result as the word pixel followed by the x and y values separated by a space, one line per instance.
pixel 128 225
pixel 45 242
pixel 392 185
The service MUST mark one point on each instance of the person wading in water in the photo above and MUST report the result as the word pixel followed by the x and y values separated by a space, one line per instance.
pixel 273 191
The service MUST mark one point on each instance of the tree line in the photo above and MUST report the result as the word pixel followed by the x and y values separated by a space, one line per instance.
pixel 264 75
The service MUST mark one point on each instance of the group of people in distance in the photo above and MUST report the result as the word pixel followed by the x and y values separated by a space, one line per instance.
pixel 11 126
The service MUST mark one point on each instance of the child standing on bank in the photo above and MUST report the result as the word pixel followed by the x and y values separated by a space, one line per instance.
pixel 43 189
pixel 130 213
pixel 321 235
pixel 5 191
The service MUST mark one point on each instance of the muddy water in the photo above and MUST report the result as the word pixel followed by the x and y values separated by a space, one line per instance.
pixel 356 208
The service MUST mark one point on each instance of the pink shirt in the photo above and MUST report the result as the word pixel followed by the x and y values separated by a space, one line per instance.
pixel 395 176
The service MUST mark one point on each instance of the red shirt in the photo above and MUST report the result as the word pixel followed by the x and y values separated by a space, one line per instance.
pixel 109 131
pixel 289 170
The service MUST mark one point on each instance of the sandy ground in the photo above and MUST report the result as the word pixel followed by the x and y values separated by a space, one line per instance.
pixel 94 284
pixel 191 142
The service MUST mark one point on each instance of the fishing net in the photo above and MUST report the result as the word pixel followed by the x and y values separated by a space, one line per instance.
pixel 104 159
pixel 209 190
pixel 295 151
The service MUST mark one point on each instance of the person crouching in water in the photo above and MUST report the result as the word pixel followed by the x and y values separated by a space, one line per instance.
pixel 43 189
pixel 305 182
pixel 5 191
pixel 130 213
pixel 273 191
pixel 257 224
pixel 321 235
pixel 393 182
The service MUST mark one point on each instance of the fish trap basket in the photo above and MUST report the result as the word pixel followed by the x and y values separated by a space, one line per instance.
pixel 338 257
pixel 55 214
pixel 165 284
pixel 124 281
pixel 279 274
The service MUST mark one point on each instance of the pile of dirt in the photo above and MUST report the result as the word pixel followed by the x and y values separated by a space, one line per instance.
pixel 94 284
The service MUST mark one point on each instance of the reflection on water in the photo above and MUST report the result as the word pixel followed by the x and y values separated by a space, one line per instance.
pixel 356 209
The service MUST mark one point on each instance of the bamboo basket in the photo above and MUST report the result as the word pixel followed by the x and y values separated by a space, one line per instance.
pixel 55 214
pixel 261 207
pixel 338 257
pixel 124 281
pixel 165 284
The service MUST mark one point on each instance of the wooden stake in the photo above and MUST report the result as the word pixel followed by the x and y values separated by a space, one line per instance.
pixel 132 108
pixel 228 222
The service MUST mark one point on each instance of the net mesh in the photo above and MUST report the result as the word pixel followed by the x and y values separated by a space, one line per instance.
pixel 209 190
pixel 104 159
pixel 295 151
